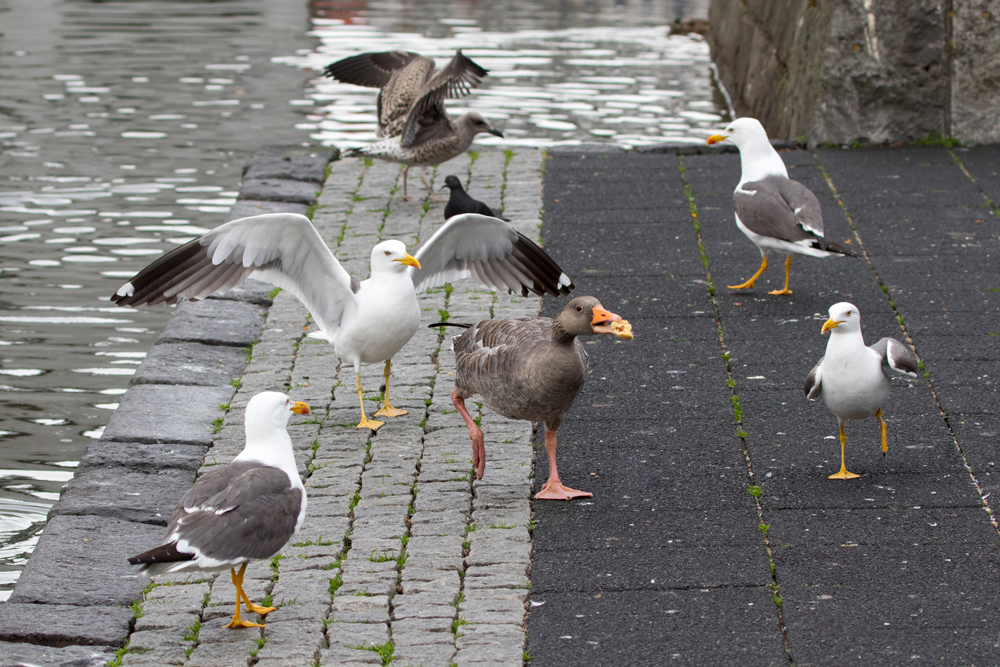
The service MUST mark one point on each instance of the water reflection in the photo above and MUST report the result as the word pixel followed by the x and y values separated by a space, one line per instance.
pixel 122 134
pixel 560 72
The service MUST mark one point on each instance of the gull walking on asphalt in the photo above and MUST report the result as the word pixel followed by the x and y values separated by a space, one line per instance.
pixel 779 215
pixel 851 378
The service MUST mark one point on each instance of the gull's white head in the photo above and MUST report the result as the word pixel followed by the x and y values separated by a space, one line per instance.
pixel 272 409
pixel 844 317
pixel 758 157
pixel 741 132
pixel 392 256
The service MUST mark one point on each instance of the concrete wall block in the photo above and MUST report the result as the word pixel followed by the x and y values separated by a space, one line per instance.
pixel 153 413
pixel 62 625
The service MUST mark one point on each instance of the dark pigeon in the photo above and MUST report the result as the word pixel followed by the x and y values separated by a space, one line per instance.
pixel 460 202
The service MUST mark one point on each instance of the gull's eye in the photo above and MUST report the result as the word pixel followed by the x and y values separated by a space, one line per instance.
pixel 848 313
pixel 388 253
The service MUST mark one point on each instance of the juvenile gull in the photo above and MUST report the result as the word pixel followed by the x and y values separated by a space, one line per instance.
pixel 413 125
pixel 247 510
pixel 529 368
pixel 851 378
pixel 367 321
pixel 461 202
pixel 779 215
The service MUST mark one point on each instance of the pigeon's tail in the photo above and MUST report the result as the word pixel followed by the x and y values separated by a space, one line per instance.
pixel 449 324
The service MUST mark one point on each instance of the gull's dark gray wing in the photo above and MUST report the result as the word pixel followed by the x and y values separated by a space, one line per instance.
pixel 780 208
pixel 899 357
pixel 814 386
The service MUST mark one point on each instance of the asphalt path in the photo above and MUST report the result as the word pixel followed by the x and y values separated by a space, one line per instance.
pixel 678 559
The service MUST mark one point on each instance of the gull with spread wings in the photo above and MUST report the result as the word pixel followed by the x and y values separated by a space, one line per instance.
pixel 367 321
pixel 413 126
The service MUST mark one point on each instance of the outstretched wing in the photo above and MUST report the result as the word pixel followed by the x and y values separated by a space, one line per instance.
pixel 899 357
pixel 283 249
pixel 814 386
pixel 455 79
pixel 493 253
pixel 372 70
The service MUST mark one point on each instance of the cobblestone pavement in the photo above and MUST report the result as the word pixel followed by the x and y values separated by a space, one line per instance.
pixel 402 555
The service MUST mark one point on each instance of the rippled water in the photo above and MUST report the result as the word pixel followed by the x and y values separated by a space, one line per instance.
pixel 123 130
pixel 124 126
pixel 560 73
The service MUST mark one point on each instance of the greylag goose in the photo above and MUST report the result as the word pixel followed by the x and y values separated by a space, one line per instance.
pixel 367 321
pixel 851 377
pixel 779 215
pixel 247 510
pixel 529 368
pixel 413 125
pixel 461 202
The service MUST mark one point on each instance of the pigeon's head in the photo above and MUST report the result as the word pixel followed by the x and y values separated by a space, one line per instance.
pixel 478 124
pixel 452 182
pixel 843 317
pixel 392 256
pixel 740 132
pixel 272 409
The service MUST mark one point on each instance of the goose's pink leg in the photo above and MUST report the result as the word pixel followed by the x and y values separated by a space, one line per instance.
pixel 554 489
pixel 476 433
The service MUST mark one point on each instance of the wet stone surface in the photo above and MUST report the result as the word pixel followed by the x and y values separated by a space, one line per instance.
pixel 399 544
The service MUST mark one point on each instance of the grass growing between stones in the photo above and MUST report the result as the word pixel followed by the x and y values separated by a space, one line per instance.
pixel 753 488
pixel 384 651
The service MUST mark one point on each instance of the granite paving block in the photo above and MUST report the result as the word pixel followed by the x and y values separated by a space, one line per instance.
pixel 296 163
pixel 82 560
pixel 124 494
pixel 15 654
pixel 63 624
pixel 191 364
pixel 167 414
pixel 141 457
pixel 215 322
pixel 279 190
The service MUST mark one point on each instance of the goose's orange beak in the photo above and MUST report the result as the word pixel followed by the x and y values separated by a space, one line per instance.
pixel 714 139
pixel 300 408
pixel 602 320
pixel 831 324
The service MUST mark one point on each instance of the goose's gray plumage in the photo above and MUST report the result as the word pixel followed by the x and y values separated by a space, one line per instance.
pixel 779 215
pixel 248 510
pixel 413 125
pixel 852 378
pixel 528 368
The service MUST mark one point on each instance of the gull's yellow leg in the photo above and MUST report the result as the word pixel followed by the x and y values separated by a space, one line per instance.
pixel 365 422
pixel 882 426
pixel 251 607
pixel 387 410
pixel 843 474
pixel 238 622
pixel 748 284
pixel 788 270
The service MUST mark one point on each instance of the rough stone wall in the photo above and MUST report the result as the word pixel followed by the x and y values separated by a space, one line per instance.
pixel 874 70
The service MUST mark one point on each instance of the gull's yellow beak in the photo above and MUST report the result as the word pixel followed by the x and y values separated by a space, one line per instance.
pixel 831 324
pixel 409 260
pixel 714 139
pixel 300 408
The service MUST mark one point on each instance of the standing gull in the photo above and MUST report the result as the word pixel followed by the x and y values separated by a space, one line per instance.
pixel 247 510
pixel 367 321
pixel 529 368
pixel 413 125
pixel 851 377
pixel 461 201
pixel 779 215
